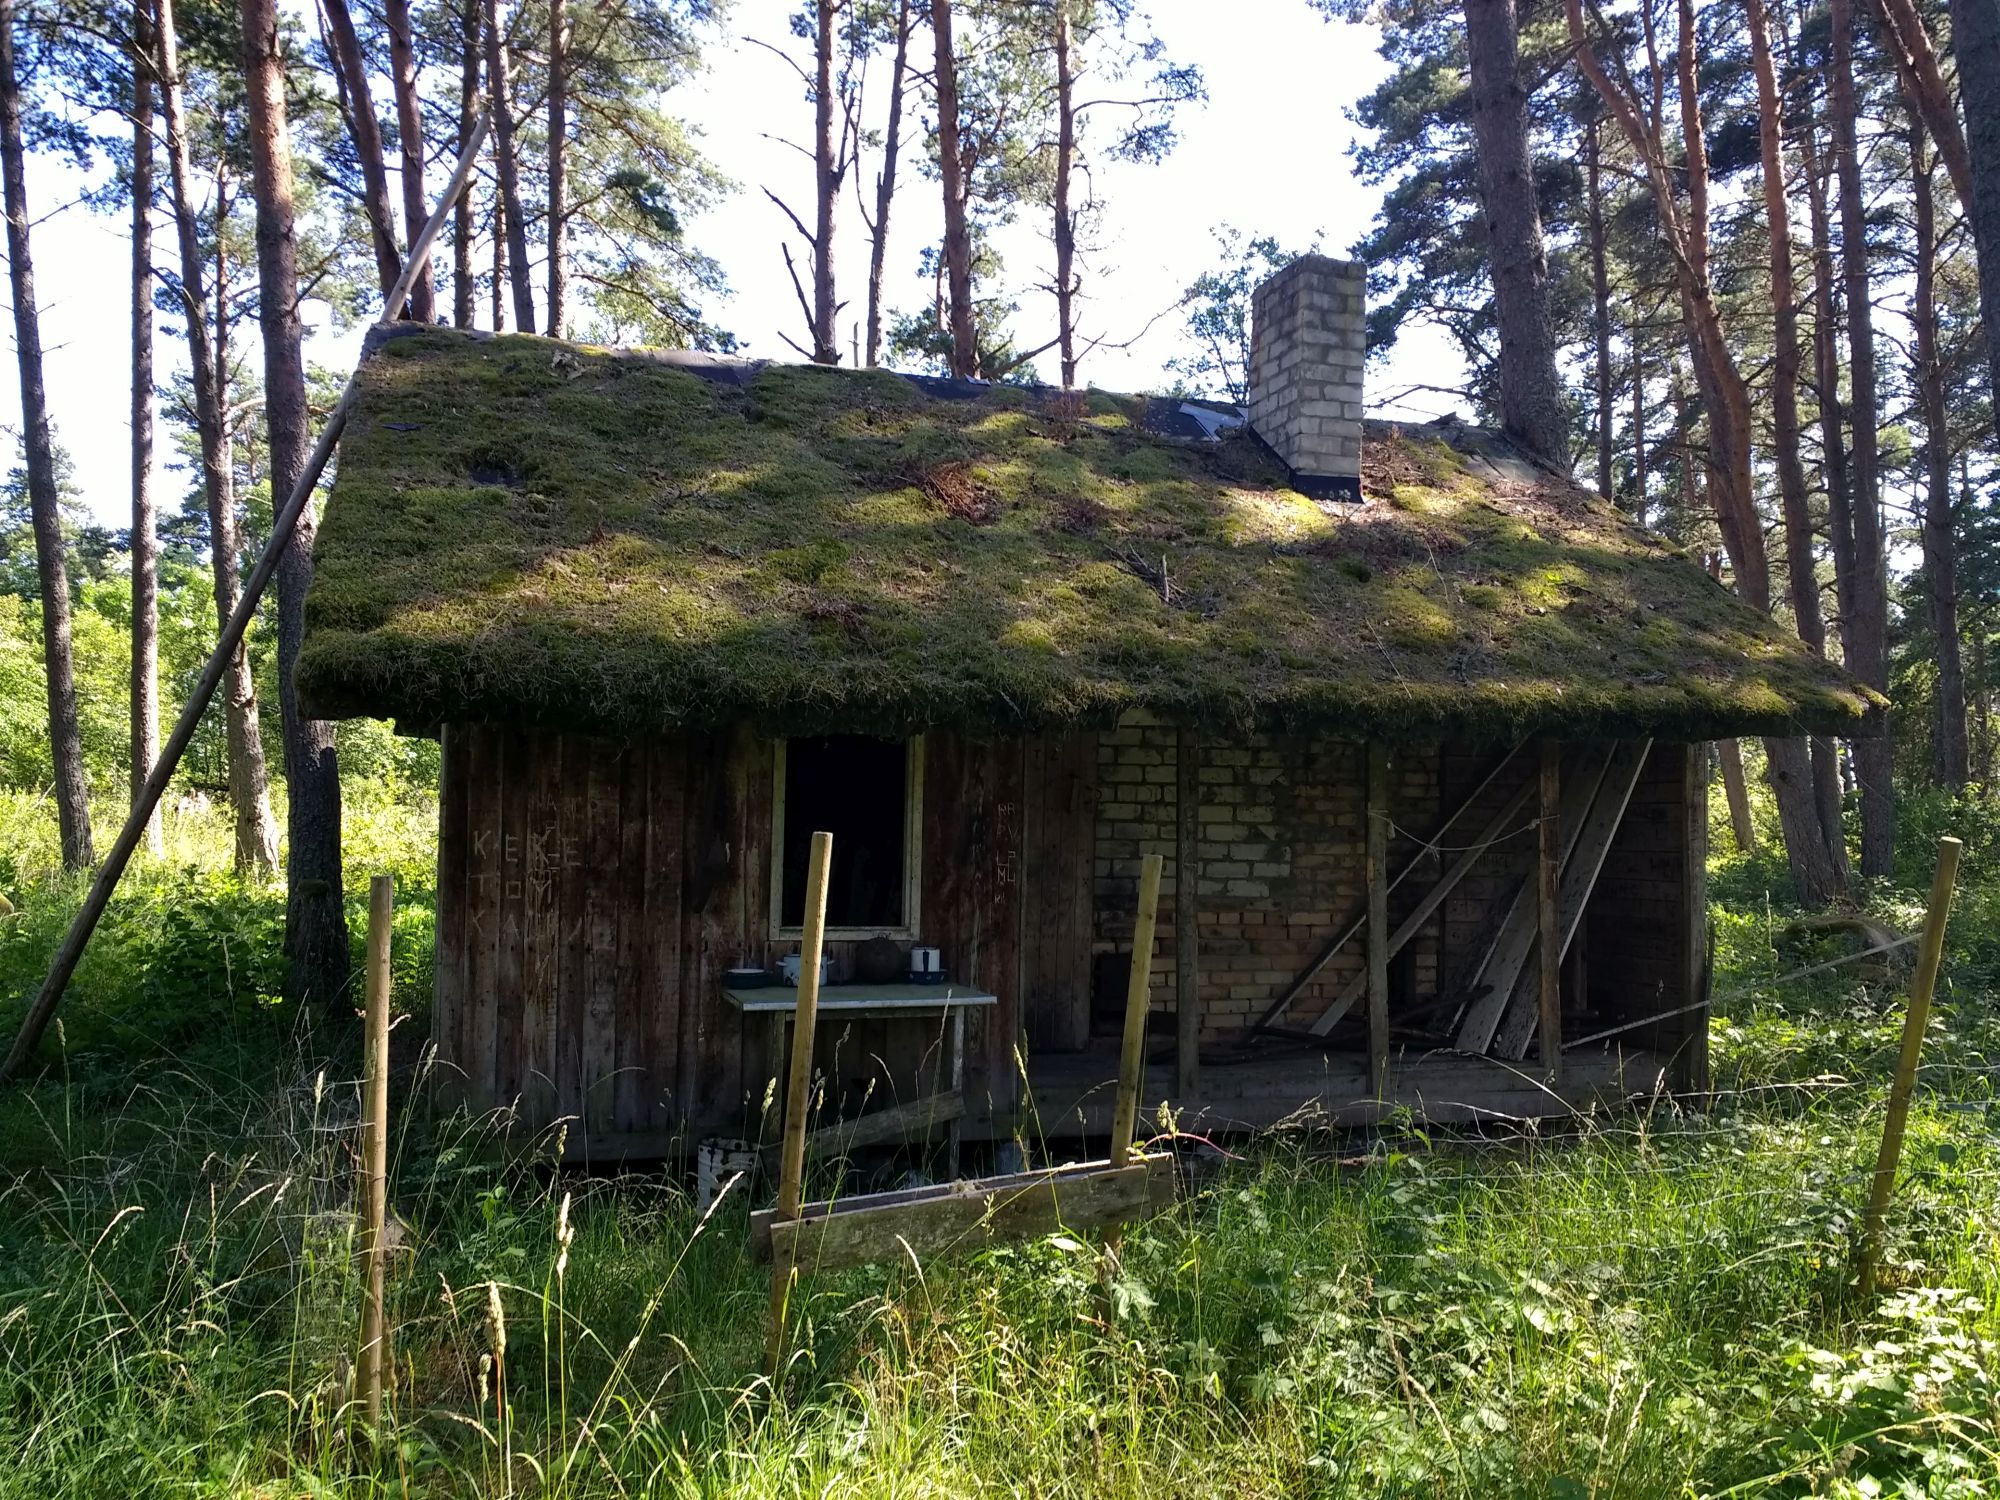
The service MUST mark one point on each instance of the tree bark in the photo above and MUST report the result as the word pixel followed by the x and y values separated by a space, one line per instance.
pixel 1908 43
pixel 558 167
pixel 1640 458
pixel 1531 392
pixel 951 174
pixel 315 921
pixel 72 788
pixel 1600 303
pixel 1975 44
pixel 1736 790
pixel 1949 754
pixel 885 182
pixel 826 189
pixel 410 147
pixel 249 780
pixel 145 531
pixel 507 169
pixel 1868 637
pixel 464 288
pixel 365 128
pixel 1065 219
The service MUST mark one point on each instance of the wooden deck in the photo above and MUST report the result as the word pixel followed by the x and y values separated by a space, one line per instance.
pixel 1070 1094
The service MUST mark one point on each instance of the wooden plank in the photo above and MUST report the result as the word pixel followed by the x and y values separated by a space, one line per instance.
pixel 1138 1000
pixel 1697 952
pixel 1359 920
pixel 628 1092
pixel 599 1042
pixel 1187 919
pixel 665 815
pixel 448 992
pixel 1080 879
pixel 1548 911
pixel 1514 938
pixel 1377 877
pixel 960 1217
pixel 1583 858
pixel 712 1099
pixel 573 878
pixel 516 761
pixel 1411 925
pixel 897 1123
pixel 541 937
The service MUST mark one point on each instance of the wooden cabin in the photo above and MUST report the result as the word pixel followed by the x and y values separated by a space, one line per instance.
pixel 1419 727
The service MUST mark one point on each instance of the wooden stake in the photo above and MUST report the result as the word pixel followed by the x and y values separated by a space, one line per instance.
pixel 375 1156
pixel 1377 875
pixel 1548 912
pixel 1138 999
pixel 1929 953
pixel 36 1021
pixel 798 1090
pixel 1187 919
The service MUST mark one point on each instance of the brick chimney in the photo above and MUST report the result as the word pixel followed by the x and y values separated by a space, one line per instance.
pixel 1307 342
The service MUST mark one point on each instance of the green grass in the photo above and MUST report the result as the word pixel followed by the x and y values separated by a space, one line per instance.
pixel 523 531
pixel 1643 1305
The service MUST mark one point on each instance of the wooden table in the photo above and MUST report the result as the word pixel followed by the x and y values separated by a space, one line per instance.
pixel 948 1002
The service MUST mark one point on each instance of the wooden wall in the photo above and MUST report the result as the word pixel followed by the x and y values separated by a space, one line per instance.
pixel 591 894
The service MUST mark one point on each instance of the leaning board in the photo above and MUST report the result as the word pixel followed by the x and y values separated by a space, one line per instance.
pixel 955 1217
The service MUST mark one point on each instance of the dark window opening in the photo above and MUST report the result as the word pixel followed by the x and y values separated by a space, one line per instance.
pixel 857 789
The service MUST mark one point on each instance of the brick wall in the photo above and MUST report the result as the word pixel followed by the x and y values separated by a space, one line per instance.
pixel 1281 857
pixel 1308 339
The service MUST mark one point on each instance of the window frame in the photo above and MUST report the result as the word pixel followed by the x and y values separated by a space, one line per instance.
pixel 913 850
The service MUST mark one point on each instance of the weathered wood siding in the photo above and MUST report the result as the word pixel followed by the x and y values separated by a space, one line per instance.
pixel 591 894
pixel 1059 812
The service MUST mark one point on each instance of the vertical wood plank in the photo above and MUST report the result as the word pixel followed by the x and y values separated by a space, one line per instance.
pixel 1694 905
pixel 1187 932
pixel 1377 876
pixel 600 1026
pixel 665 838
pixel 516 760
pixel 572 758
pixel 453 899
pixel 1080 878
pixel 482 916
pixel 711 1066
pixel 628 1092
pixel 1548 910
pixel 542 947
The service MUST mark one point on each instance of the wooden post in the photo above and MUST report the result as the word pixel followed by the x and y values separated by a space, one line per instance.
pixel 1548 911
pixel 1187 918
pixel 1377 874
pixel 798 1090
pixel 1138 999
pixel 375 1155
pixel 1929 952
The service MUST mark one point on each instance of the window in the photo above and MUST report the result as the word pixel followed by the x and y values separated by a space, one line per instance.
pixel 867 793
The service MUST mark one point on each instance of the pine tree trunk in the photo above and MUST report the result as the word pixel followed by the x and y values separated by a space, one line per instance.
pixel 508 170
pixel 1736 789
pixel 1065 220
pixel 1868 636
pixel 951 176
pixel 558 167
pixel 885 183
pixel 410 147
pixel 72 787
pixel 1975 45
pixel 1531 392
pixel 464 286
pixel 208 355
pixel 145 531
pixel 1640 458
pixel 1948 744
pixel 497 229
pixel 826 189
pixel 365 129
pixel 1600 304
pixel 315 921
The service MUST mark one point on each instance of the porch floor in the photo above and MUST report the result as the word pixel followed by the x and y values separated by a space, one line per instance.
pixel 1071 1094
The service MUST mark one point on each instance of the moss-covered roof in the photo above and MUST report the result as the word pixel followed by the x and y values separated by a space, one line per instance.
pixel 522 530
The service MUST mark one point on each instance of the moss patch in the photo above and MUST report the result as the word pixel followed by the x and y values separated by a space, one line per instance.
pixel 521 530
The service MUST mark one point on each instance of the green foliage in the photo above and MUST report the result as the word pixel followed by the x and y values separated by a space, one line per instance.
pixel 529 531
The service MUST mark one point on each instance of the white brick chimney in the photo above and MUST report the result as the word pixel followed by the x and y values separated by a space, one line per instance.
pixel 1307 342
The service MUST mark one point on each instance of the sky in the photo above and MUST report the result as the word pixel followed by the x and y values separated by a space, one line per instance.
pixel 1267 154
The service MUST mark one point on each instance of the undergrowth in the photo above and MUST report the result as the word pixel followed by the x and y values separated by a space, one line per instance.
pixel 1653 1303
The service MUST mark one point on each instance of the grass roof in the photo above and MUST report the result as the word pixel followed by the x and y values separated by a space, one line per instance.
pixel 529 531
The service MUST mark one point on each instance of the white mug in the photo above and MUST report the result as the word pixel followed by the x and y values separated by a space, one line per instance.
pixel 791 964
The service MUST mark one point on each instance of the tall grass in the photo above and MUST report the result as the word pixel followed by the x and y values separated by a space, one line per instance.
pixel 1647 1304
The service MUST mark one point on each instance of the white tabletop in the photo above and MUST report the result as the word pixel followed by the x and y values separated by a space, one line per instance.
pixel 882 999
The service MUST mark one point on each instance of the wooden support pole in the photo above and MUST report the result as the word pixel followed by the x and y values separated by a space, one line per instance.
pixel 373 1363
pixel 70 951
pixel 1187 918
pixel 798 1090
pixel 1138 999
pixel 1378 918
pixel 1929 953
pixel 1548 911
